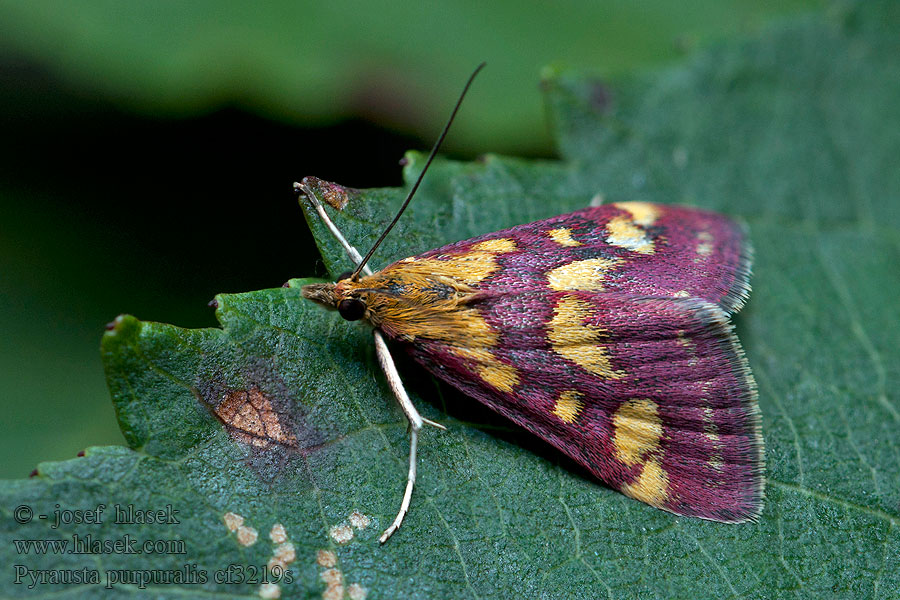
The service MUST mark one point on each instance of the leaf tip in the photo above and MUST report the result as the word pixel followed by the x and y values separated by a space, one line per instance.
pixel 121 327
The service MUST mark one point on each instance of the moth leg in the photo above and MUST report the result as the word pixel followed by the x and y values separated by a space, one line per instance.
pixel 396 384
pixel 407 494
pixel 415 424
pixel 433 423
pixel 352 252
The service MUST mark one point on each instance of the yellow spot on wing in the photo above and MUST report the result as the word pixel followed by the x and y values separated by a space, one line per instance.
pixel 577 341
pixel 568 406
pixel 497 246
pixel 495 373
pixel 642 213
pixel 563 237
pixel 637 430
pixel 712 433
pixel 651 486
pixel 624 233
pixel 587 275
pixel 501 376
pixel 469 267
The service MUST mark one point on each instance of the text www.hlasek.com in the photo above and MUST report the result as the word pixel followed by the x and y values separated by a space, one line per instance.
pixel 88 544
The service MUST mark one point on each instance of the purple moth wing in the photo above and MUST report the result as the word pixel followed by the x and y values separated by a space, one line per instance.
pixel 651 394
pixel 605 332
pixel 637 248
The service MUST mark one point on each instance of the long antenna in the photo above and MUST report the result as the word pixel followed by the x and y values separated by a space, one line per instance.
pixel 415 186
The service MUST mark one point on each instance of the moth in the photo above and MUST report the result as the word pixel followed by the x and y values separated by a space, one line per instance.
pixel 604 331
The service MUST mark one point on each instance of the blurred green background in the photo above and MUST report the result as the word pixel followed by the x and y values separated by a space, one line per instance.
pixel 148 151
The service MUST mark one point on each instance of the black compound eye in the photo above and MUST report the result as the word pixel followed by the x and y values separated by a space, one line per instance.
pixel 344 275
pixel 352 309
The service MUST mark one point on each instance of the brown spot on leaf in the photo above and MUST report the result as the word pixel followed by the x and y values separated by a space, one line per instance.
pixel 260 414
pixel 250 418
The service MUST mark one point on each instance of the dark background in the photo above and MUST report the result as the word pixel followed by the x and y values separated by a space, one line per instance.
pixel 147 154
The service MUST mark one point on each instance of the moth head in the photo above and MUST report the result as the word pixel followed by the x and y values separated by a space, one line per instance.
pixel 340 296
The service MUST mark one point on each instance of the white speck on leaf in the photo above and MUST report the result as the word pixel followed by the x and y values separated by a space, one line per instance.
pixel 357 592
pixel 278 535
pixel 326 558
pixel 233 521
pixel 341 534
pixel 359 520
pixel 334 582
pixel 247 536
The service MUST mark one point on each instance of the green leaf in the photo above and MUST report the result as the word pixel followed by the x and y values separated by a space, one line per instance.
pixel 792 131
